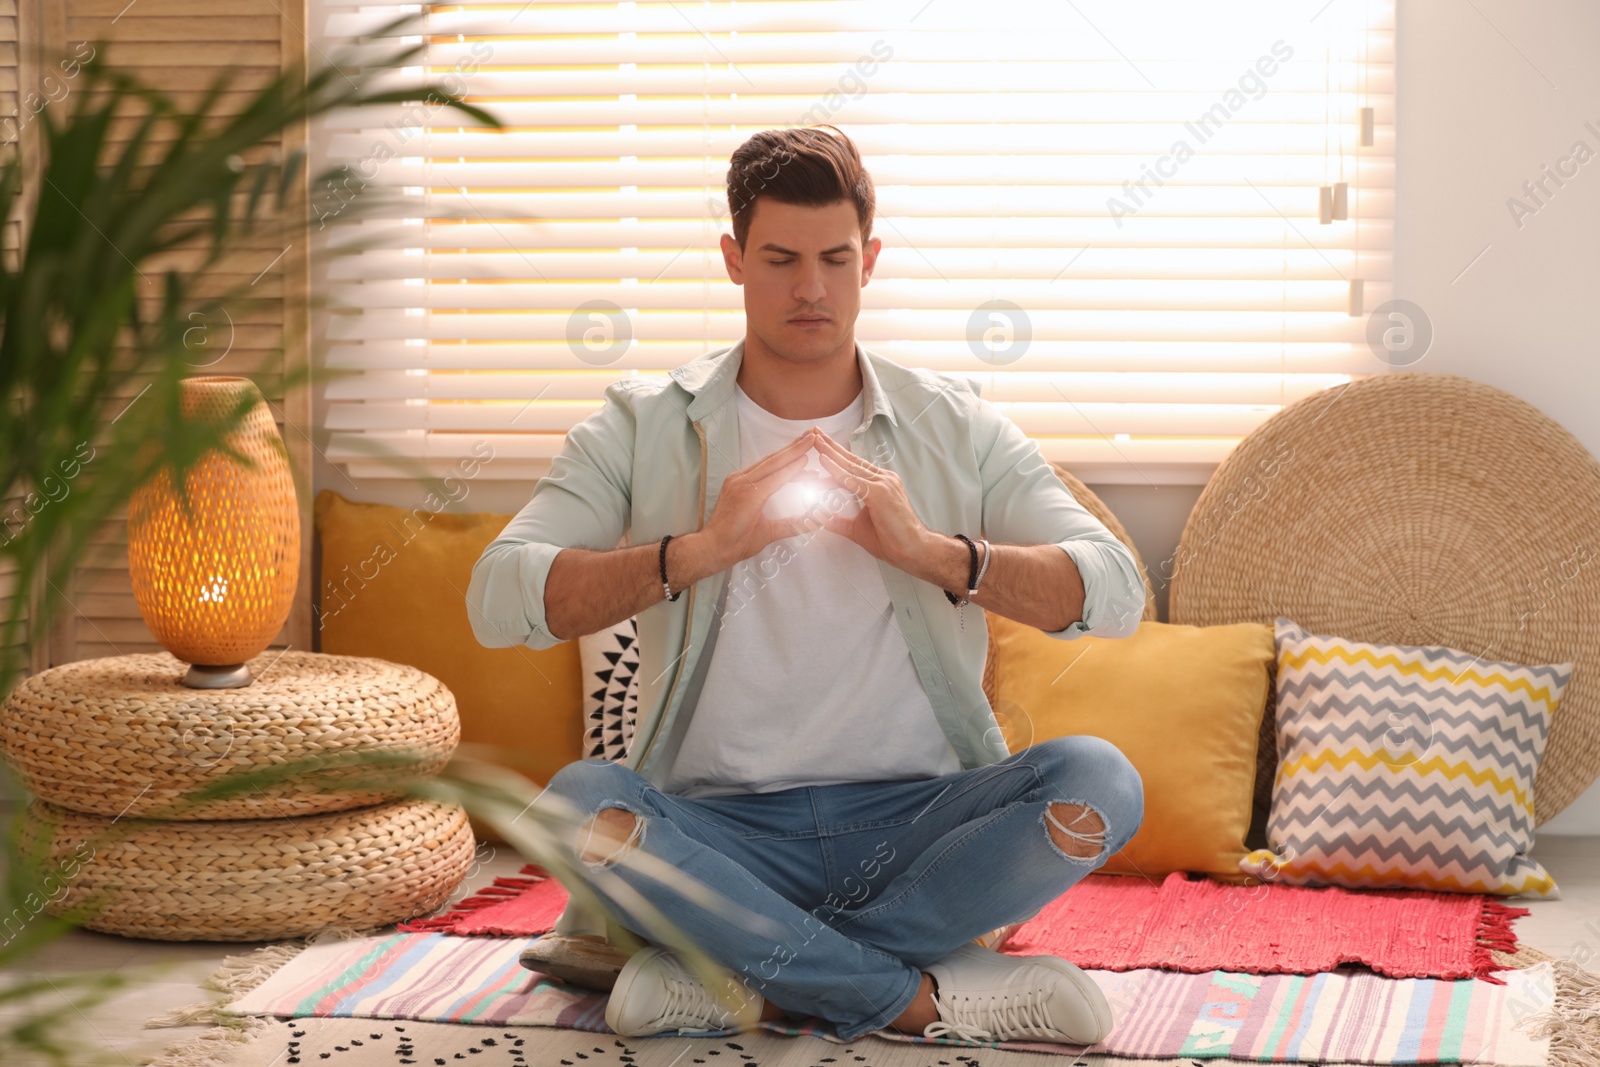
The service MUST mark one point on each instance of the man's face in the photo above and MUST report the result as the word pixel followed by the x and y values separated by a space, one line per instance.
pixel 802 270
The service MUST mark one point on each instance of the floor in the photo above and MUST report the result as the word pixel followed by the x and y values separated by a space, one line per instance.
pixel 163 975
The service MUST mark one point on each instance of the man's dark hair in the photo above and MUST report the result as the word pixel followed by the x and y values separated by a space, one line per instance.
pixel 806 166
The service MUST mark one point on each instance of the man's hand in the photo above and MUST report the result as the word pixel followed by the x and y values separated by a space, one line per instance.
pixel 1035 584
pixel 886 526
pixel 587 590
pixel 737 528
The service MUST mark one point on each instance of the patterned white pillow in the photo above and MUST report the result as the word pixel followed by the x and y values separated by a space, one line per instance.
pixel 610 663
pixel 1406 766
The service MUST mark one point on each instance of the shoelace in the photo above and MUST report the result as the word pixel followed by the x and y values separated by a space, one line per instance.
pixel 1000 1016
pixel 686 996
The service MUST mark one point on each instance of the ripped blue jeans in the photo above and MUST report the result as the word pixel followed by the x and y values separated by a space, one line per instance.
pixel 844 893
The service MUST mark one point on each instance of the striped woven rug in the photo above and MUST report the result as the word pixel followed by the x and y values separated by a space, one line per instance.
pixel 1343 1015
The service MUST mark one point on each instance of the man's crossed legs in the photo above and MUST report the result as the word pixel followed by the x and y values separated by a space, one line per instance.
pixel 857 889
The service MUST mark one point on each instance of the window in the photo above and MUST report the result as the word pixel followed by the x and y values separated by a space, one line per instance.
pixel 1106 214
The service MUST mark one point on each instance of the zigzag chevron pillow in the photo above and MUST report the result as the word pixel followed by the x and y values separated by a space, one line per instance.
pixel 1406 766
pixel 610 664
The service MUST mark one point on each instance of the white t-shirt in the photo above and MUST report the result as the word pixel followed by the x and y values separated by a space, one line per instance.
pixel 810 681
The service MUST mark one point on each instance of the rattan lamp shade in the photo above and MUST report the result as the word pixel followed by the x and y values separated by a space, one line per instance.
pixel 1414 509
pixel 215 585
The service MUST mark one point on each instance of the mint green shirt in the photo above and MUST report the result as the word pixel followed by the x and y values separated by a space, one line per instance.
pixel 652 460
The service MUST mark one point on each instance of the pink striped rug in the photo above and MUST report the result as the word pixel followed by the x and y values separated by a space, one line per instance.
pixel 1345 1016
pixel 1116 923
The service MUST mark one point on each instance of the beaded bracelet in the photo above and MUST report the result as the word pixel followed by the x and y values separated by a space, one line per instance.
pixel 665 588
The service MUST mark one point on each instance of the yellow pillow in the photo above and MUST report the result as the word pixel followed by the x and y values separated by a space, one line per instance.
pixel 1183 703
pixel 393 584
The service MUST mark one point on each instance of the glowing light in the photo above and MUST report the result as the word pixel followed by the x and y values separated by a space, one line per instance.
pixel 216 581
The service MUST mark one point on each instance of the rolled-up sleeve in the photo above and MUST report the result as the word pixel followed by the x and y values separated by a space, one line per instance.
pixel 584 502
pixel 1025 503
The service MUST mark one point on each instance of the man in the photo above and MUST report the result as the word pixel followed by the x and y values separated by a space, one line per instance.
pixel 813 742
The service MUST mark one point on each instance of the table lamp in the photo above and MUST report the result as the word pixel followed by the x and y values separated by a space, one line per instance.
pixel 216 584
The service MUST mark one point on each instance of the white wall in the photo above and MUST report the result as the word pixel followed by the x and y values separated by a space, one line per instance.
pixel 1488 93
pixel 1477 116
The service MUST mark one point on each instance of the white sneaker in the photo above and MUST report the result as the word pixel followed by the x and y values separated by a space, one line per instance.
pixel 983 995
pixel 656 993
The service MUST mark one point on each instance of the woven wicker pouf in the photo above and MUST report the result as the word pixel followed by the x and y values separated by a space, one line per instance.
pixel 122 736
pixel 254 879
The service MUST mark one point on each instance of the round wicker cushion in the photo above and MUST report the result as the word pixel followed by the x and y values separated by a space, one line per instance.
pixel 1414 509
pixel 122 735
pixel 1096 507
pixel 254 879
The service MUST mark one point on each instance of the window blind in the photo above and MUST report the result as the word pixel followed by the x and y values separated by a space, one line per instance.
pixel 168 47
pixel 1107 215
pixel 13 510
